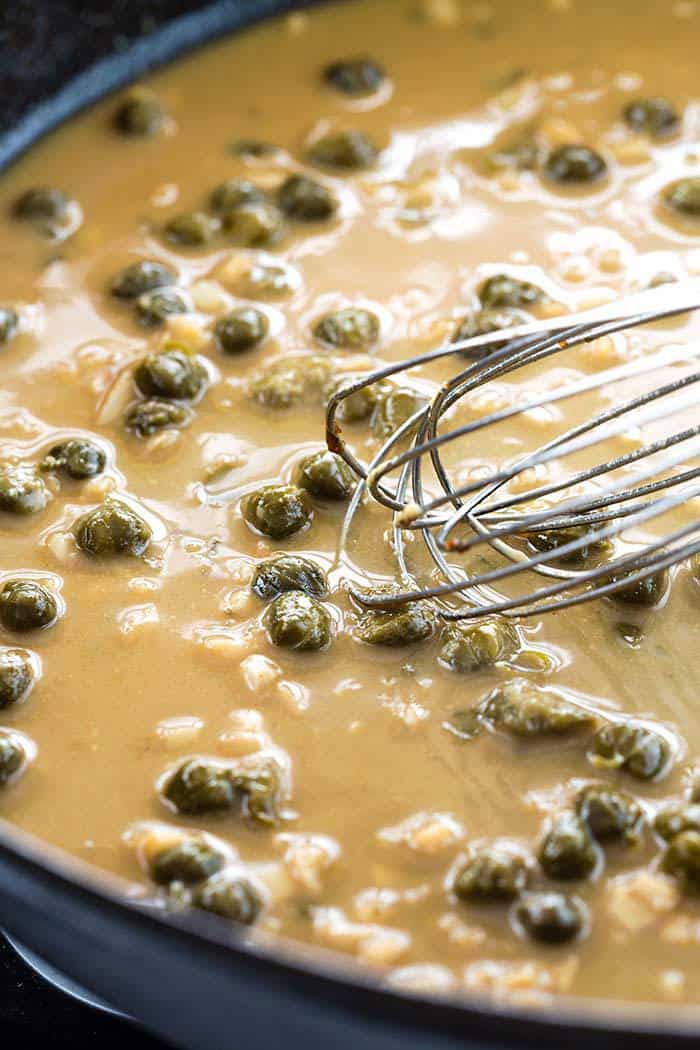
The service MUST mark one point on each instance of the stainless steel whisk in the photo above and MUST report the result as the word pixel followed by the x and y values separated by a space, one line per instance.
pixel 596 504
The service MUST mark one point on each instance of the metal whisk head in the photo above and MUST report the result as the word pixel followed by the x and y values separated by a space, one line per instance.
pixel 591 522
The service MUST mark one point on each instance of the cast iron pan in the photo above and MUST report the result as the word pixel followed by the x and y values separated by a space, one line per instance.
pixel 190 979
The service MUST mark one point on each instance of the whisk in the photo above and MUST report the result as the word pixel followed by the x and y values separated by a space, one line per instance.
pixel 540 531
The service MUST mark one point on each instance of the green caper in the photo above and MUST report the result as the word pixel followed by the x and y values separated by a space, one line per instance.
pixel 501 291
pixel 16 676
pixel 77 458
pixel 610 815
pixel 255 148
pixel 684 196
pixel 682 859
pixel 412 622
pixel 242 329
pixel 344 150
pixel 645 593
pixel 199 785
pixel 9 323
pixel 552 918
pixel 278 510
pixel 354 76
pixel 574 166
pixel 523 709
pixel 305 199
pixel 483 322
pixel 289 380
pixel 21 490
pixel 258 790
pixel 232 193
pixel 675 818
pixel 326 476
pixel 491 873
pixel 174 373
pixel 13 757
pixel 288 572
pixel 350 329
pixel 26 605
pixel 355 407
pixel 255 224
pixel 654 116
pixel 270 280
pixel 113 528
pixel 52 212
pixel 475 644
pixel 395 405
pixel 553 539
pixel 568 850
pixel 640 751
pixel 229 896
pixel 192 229
pixel 140 277
pixel 189 861
pixel 140 115
pixel 153 308
pixel 294 620
pixel 148 417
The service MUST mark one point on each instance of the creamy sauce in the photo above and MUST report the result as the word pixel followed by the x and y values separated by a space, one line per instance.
pixel 157 658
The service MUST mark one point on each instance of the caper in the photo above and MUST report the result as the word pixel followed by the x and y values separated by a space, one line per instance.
pixel 16 676
pixel 21 491
pixel 113 528
pixel 200 785
pixel 305 199
pixel 682 859
pixel 232 193
pixel 148 417
pixel 476 644
pixel 288 572
pixel 254 224
pixel 676 817
pixel 552 918
pixel 270 280
pixel 174 373
pixel 574 165
pixel 140 277
pixel 252 148
pixel 192 229
pixel 9 323
pixel 483 322
pixel 654 116
pixel 77 458
pixel 291 379
pixel 553 539
pixel 568 850
pixel 51 211
pixel 350 329
pixel 256 782
pixel 189 861
pixel 26 605
pixel 610 815
pixel 326 476
pixel 140 115
pixel 412 622
pixel 277 510
pixel 229 896
pixel 345 150
pixel 395 405
pixel 684 196
pixel 501 291
pixel 355 407
pixel 242 329
pixel 153 308
pixel 354 76
pixel 524 709
pixel 491 873
pixel 294 620
pixel 13 757
pixel 638 750
pixel 646 592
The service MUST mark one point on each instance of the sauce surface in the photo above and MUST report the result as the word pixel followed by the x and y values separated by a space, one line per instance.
pixel 159 657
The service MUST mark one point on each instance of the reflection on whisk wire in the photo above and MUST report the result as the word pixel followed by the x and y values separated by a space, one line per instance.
pixel 597 503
